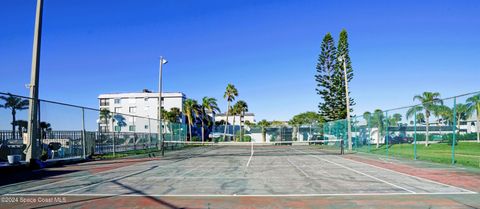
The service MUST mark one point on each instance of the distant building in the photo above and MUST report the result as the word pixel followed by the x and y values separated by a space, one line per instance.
pixel 143 104
pixel 247 117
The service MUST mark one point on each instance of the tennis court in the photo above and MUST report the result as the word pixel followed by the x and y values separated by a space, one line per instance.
pixel 288 169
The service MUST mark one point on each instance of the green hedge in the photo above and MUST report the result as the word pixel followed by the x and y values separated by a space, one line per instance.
pixel 447 137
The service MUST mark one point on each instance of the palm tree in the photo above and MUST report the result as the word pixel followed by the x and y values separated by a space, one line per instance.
pixel 14 103
pixel 230 93
pixel 397 117
pixel 44 128
pixel 367 116
pixel 22 125
pixel 172 116
pixel 429 101
pixel 443 114
pixel 208 104
pixel 105 116
pixel 295 123
pixel 474 104
pixel 120 121
pixel 242 108
pixel 420 118
pixel 264 124
pixel 377 120
pixel 190 109
pixel 463 111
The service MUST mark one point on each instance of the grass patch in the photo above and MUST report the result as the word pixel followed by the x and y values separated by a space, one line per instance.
pixel 466 153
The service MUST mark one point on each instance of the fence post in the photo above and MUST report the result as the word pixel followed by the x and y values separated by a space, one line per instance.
pixel 454 137
pixel 113 137
pixel 415 136
pixel 171 132
pixel 386 132
pixel 134 134
pixel 149 134
pixel 84 145
pixel 369 128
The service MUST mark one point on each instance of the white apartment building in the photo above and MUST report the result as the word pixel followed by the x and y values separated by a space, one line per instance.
pixel 144 105
pixel 247 117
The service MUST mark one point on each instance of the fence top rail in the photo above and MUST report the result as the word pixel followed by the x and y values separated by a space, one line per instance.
pixel 409 106
pixel 76 106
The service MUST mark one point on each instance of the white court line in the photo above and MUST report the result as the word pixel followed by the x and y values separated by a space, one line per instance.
pixel 249 159
pixel 306 175
pixel 351 169
pixel 246 195
pixel 79 177
pixel 108 180
pixel 251 154
pixel 417 177
pixel 120 177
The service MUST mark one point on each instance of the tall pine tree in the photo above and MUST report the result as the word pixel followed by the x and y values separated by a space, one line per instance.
pixel 325 78
pixel 330 77
pixel 339 79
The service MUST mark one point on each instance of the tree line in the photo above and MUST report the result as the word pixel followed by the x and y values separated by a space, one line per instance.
pixel 430 105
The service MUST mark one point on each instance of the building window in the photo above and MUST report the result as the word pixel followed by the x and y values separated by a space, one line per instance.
pixel 131 128
pixel 117 109
pixel 132 109
pixel 146 126
pixel 104 102
pixel 118 128
pixel 116 101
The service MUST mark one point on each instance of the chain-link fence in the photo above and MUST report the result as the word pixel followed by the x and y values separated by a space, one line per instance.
pixel 439 130
pixel 70 131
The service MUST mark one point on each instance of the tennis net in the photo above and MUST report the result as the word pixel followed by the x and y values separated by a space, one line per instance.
pixel 277 148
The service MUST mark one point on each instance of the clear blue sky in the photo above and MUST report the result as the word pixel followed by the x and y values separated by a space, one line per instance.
pixel 268 49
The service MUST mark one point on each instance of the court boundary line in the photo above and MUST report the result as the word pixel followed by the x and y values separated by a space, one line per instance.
pixel 249 195
pixel 80 177
pixel 359 172
pixel 107 180
pixel 123 176
pixel 417 177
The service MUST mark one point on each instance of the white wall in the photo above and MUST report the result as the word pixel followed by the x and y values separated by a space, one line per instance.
pixel 145 104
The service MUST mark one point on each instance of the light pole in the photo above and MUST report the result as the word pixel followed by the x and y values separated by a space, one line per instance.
pixel 160 137
pixel 349 131
pixel 33 135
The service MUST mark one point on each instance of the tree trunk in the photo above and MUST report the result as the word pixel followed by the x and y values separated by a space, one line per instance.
pixel 13 123
pixel 172 132
pixel 264 133
pixel 190 131
pixel 241 134
pixel 233 127
pixel 226 122
pixel 478 126
pixel 426 135
pixel 203 131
